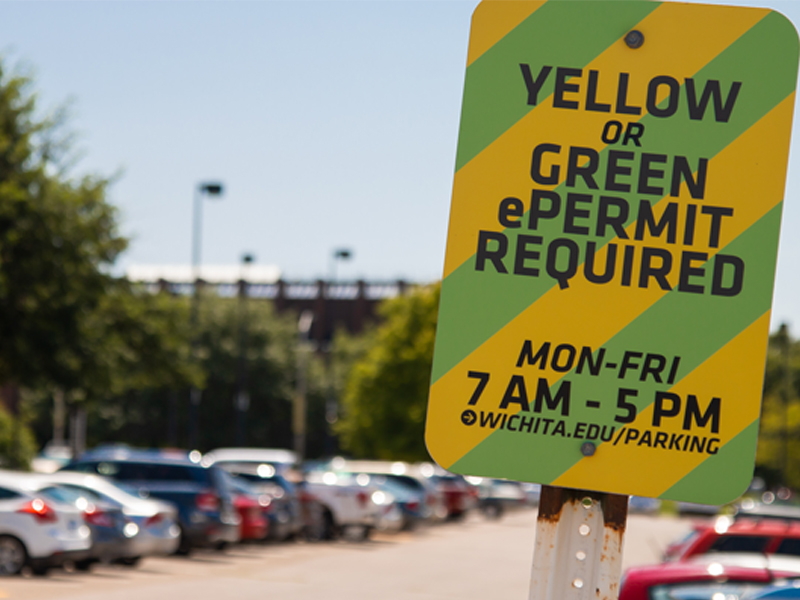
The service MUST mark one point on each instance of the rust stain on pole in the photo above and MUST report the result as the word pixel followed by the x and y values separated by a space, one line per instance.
pixel 578 548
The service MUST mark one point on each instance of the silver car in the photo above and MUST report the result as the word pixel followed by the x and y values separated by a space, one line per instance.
pixel 151 526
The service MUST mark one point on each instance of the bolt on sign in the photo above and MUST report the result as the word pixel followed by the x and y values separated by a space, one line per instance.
pixel 612 243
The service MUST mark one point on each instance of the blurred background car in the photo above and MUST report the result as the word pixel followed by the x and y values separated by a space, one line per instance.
pixel 105 521
pixel 253 507
pixel 496 496
pixel 694 508
pixel 151 525
pixel 706 577
pixel 279 500
pixel 204 501
pixel 311 503
pixel 788 589
pixel 726 534
pixel 51 458
pixel 749 508
pixel 459 497
pixel 38 532
pixel 643 505
pixel 409 476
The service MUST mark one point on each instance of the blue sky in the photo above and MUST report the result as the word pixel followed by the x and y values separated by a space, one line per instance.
pixel 331 124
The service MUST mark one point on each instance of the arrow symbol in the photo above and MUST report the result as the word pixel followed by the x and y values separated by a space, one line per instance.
pixel 468 417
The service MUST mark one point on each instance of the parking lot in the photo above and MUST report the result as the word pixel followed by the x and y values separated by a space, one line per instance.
pixel 476 558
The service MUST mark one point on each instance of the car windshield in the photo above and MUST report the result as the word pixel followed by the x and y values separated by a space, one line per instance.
pixel 237 483
pixel 274 480
pixel 62 494
pixel 396 488
pixel 711 590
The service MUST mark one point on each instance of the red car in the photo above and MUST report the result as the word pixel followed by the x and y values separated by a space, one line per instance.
pixel 766 536
pixel 255 524
pixel 252 509
pixel 726 574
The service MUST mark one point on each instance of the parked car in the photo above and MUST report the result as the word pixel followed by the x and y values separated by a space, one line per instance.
pixel 279 497
pixel 767 536
pixel 707 577
pixel 323 503
pixel 253 507
pixel 409 501
pixel 748 508
pixel 206 515
pixel 643 505
pixel 105 521
pixel 782 590
pixel 459 497
pixel 496 496
pixel 38 532
pixel 694 508
pixel 151 525
pixel 410 476
pixel 51 458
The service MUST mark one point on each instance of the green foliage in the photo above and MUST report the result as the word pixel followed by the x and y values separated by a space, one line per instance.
pixel 151 407
pixel 17 443
pixel 269 353
pixel 57 239
pixel 67 324
pixel 778 457
pixel 386 395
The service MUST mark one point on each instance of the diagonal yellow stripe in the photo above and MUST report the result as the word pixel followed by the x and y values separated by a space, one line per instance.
pixel 506 15
pixel 753 166
pixel 726 375
pixel 503 168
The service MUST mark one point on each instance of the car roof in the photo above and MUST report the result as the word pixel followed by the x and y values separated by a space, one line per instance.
pixel 785 565
pixel 753 526
pixel 125 453
pixel 265 455
pixel 674 572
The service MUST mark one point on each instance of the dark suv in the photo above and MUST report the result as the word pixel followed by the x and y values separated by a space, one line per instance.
pixel 206 513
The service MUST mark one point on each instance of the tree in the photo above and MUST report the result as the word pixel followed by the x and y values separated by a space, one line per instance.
pixel 66 323
pixel 58 238
pixel 151 410
pixel 386 395
pixel 778 458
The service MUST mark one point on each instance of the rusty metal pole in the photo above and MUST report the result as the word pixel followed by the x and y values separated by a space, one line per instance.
pixel 578 550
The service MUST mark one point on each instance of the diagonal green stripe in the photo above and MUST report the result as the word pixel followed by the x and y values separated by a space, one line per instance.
pixel 691 326
pixel 565 34
pixel 702 484
pixel 497 298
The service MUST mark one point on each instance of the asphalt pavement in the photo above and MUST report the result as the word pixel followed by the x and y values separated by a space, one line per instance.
pixel 475 559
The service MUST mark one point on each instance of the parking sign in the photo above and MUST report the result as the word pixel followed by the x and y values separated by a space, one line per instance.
pixel 612 242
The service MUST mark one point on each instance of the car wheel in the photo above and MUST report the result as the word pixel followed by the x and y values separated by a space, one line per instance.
pixel 184 547
pixel 316 529
pixel 84 565
pixel 12 555
pixel 331 531
pixel 492 510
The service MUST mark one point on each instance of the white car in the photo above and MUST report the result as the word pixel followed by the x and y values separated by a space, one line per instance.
pixel 151 525
pixel 38 532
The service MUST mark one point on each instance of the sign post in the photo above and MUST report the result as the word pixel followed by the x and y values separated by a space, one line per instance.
pixel 611 254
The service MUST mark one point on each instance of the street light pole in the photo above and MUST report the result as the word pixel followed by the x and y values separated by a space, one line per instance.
pixel 304 347
pixel 242 401
pixel 338 254
pixel 331 404
pixel 203 190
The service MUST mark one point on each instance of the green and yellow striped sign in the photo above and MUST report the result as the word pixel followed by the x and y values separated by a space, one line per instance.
pixel 612 245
